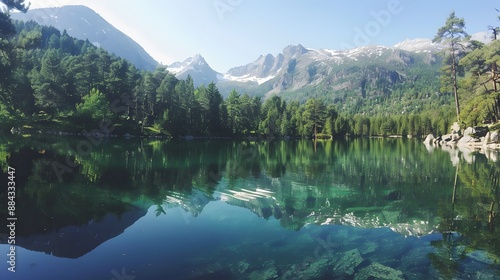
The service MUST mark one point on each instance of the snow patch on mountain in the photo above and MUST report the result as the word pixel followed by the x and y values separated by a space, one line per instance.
pixel 483 37
pixel 419 45
pixel 247 78
pixel 197 68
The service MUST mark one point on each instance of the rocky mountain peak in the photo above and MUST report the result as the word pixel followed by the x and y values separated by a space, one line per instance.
pixel 292 51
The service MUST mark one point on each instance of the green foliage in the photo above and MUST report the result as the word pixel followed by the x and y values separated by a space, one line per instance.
pixel 453 34
pixel 55 73
pixel 94 106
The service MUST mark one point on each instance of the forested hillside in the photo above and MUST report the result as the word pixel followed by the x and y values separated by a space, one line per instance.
pixel 52 81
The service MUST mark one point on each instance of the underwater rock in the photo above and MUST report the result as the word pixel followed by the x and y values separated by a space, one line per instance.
pixel 482 257
pixel 317 269
pixel 267 271
pixel 391 249
pixel 485 275
pixel 368 247
pixel 348 262
pixel 417 257
pixel 378 271
pixel 241 267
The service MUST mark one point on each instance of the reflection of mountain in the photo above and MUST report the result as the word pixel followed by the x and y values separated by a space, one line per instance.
pixel 317 207
pixel 75 241
pixel 363 183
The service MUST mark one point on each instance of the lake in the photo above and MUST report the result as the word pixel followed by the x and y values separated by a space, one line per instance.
pixel 222 209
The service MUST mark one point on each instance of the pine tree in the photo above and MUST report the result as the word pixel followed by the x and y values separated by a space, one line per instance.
pixel 453 34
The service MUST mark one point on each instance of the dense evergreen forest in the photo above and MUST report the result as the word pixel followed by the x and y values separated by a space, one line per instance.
pixel 50 80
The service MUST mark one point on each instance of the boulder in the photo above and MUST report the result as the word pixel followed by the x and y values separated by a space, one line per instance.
pixel 494 137
pixel 267 271
pixel 348 262
pixel 466 139
pixel 308 269
pixel 417 258
pixel 429 139
pixel 483 257
pixel 446 137
pixel 468 131
pixel 455 137
pixel 368 247
pixel 378 271
pixel 485 139
pixel 455 128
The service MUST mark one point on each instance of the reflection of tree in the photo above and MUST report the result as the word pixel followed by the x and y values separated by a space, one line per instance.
pixel 373 182
pixel 467 223
pixel 446 259
pixel 481 184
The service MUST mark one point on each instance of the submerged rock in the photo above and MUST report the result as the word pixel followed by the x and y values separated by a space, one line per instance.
pixel 417 258
pixel 378 271
pixel 368 247
pixel 315 269
pixel 483 257
pixel 391 249
pixel 267 271
pixel 348 262
pixel 241 267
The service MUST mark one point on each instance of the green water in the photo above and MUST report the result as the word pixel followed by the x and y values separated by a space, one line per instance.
pixel 151 209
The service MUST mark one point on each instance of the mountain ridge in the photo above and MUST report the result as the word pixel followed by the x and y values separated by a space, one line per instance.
pixel 84 23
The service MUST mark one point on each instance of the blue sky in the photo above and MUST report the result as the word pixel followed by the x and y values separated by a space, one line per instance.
pixel 235 32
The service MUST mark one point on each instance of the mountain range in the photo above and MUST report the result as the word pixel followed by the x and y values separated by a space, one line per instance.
pixel 296 73
pixel 84 23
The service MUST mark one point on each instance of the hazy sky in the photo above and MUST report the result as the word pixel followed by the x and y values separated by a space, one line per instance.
pixel 235 32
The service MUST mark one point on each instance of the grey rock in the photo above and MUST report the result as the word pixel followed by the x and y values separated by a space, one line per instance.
pixel 455 137
pixel 241 267
pixel 494 137
pixel 368 247
pixel 268 271
pixel 348 262
pixel 378 271
pixel 416 257
pixel 466 139
pixel 429 139
pixel 482 257
pixel 468 131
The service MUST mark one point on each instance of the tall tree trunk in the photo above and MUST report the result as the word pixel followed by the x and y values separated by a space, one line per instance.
pixel 455 85
pixel 494 76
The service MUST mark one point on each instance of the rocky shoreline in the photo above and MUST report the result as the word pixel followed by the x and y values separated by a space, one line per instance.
pixel 474 138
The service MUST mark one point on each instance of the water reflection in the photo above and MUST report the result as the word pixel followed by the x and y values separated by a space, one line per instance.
pixel 363 183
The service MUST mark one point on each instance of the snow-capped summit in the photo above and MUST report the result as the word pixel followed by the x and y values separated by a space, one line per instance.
pixel 178 67
pixel 483 37
pixel 195 66
pixel 419 45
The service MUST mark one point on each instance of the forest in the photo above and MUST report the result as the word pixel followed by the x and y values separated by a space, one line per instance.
pixel 52 81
